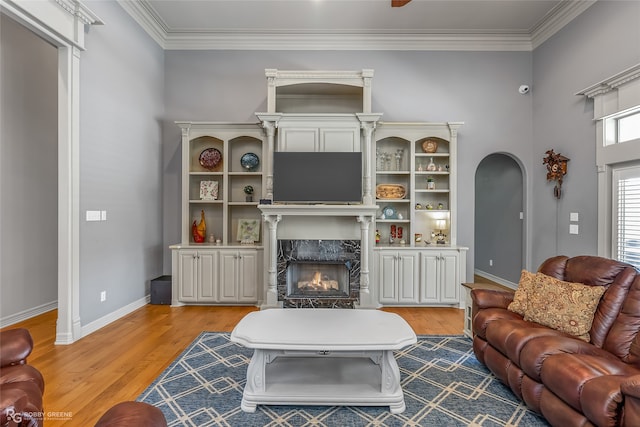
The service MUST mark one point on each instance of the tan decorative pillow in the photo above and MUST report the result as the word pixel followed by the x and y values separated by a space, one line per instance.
pixel 565 306
pixel 519 304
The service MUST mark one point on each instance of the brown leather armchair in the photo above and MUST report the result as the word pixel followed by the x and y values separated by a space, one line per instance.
pixel 569 381
pixel 21 385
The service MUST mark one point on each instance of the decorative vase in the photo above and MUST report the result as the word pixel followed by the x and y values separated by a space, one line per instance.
pixel 199 230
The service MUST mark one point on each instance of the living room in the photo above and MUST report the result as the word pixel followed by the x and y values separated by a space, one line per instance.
pixel 132 91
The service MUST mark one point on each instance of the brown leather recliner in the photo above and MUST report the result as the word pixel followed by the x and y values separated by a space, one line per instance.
pixel 21 385
pixel 568 381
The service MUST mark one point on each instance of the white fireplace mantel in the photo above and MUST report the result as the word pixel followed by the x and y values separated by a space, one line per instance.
pixel 319 210
pixel 273 214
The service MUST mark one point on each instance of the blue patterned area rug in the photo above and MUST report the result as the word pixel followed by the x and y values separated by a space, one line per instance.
pixel 443 383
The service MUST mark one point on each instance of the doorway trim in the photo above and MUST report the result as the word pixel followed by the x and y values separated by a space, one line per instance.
pixel 62 23
pixel 526 224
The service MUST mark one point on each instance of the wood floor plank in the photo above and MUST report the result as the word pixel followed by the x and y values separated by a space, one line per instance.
pixel 119 361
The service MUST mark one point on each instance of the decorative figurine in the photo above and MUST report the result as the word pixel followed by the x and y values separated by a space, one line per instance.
pixel 377 236
pixel 248 191
pixel 199 230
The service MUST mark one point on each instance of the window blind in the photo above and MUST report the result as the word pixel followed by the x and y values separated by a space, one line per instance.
pixel 627 215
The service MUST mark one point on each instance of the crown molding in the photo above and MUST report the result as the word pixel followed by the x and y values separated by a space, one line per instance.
pixel 343 41
pixel 187 39
pixel 147 17
pixel 560 16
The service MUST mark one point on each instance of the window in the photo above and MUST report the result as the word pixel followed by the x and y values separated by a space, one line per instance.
pixel 629 127
pixel 616 111
pixel 626 217
pixel 622 127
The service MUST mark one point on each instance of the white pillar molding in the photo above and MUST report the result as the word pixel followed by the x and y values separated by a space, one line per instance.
pixel 368 125
pixel 366 297
pixel 270 124
pixel 62 23
pixel 271 297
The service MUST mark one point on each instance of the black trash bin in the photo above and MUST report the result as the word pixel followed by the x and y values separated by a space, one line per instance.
pixel 161 290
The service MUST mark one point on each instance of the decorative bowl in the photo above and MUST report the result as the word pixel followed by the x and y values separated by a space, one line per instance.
pixel 210 158
pixel 390 191
pixel 249 161
pixel 430 145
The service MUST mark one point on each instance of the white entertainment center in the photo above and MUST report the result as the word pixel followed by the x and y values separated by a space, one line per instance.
pixel 405 222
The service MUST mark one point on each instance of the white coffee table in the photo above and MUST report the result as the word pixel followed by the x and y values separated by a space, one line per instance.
pixel 323 357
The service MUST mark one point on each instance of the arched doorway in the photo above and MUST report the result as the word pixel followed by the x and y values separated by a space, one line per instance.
pixel 499 219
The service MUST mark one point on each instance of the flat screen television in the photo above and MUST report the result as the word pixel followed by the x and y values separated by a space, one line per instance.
pixel 317 177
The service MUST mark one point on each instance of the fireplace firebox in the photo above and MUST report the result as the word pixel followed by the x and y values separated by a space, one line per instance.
pixel 318 273
pixel 318 279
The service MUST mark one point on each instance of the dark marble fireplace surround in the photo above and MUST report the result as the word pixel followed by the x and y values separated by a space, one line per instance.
pixel 345 252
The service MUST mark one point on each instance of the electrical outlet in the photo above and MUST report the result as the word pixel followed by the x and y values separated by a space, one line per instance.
pixel 490 263
pixel 103 296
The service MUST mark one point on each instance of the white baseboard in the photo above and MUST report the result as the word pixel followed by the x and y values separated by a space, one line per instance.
pixel 113 316
pixel 496 279
pixel 28 314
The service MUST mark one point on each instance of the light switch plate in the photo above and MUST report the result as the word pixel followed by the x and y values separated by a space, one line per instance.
pixel 574 216
pixel 573 229
pixel 93 215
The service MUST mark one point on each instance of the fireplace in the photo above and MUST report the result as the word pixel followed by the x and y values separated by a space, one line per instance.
pixel 318 279
pixel 318 273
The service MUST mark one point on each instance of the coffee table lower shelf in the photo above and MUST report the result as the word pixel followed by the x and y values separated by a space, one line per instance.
pixel 364 378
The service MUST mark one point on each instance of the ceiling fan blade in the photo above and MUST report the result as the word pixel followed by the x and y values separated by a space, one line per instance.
pixel 399 3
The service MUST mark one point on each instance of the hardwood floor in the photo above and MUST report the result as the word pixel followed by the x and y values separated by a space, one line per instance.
pixel 119 361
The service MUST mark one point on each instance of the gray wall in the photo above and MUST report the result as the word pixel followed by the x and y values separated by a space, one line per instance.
pixel 121 100
pixel 479 88
pixel 498 227
pixel 28 171
pixel 601 42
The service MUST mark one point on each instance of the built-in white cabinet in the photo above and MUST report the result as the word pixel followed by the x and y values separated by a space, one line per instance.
pixel 399 276
pixel 239 275
pixel 410 276
pixel 220 162
pixel 197 275
pixel 440 277
pixel 223 276
pixel 416 221
pixel 319 132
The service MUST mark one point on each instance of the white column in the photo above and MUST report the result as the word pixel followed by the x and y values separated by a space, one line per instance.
pixel 271 297
pixel 368 124
pixel 366 298
pixel 68 328
pixel 270 124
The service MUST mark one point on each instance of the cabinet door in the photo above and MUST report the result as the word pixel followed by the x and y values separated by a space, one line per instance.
pixel 207 276
pixel 298 139
pixel 429 280
pixel 337 139
pixel 408 278
pixel 248 276
pixel 388 277
pixel 188 275
pixel 229 261
pixel 449 280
